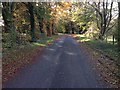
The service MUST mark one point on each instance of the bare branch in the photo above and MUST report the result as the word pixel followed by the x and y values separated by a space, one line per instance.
pixel 110 15
pixel 96 8
pixel 111 27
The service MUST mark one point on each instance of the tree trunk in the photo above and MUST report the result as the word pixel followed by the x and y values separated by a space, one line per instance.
pixel 53 29
pixel 103 17
pixel 48 29
pixel 6 23
pixel 106 38
pixel 119 30
pixel 118 40
pixel 113 40
pixel 41 26
pixel 101 36
pixel 32 21
pixel 7 13
pixel 7 16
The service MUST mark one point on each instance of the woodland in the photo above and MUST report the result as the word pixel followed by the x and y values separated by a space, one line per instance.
pixel 30 26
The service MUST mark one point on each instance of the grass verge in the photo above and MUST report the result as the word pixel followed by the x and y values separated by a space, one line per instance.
pixel 107 49
pixel 98 51
pixel 18 57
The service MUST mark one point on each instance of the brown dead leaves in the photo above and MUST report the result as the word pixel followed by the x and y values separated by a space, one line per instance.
pixel 106 68
pixel 17 59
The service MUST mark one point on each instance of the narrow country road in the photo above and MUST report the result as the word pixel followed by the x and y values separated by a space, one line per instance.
pixel 62 65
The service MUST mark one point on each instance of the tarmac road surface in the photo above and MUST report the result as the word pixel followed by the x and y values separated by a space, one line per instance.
pixel 62 65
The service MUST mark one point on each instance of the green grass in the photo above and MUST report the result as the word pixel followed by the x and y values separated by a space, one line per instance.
pixel 106 48
pixel 45 41
pixel 18 51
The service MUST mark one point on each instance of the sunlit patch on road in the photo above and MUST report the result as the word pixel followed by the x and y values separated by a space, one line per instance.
pixel 50 49
pixel 46 58
pixel 70 53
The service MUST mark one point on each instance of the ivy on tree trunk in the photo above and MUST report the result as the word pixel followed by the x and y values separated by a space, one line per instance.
pixel 7 13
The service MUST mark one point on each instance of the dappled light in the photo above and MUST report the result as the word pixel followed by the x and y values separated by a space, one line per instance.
pixel 39 44
pixel 42 40
pixel 51 49
pixel 70 53
pixel 58 45
pixel 47 58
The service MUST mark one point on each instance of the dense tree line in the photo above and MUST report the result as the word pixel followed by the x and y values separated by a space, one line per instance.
pixel 29 21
